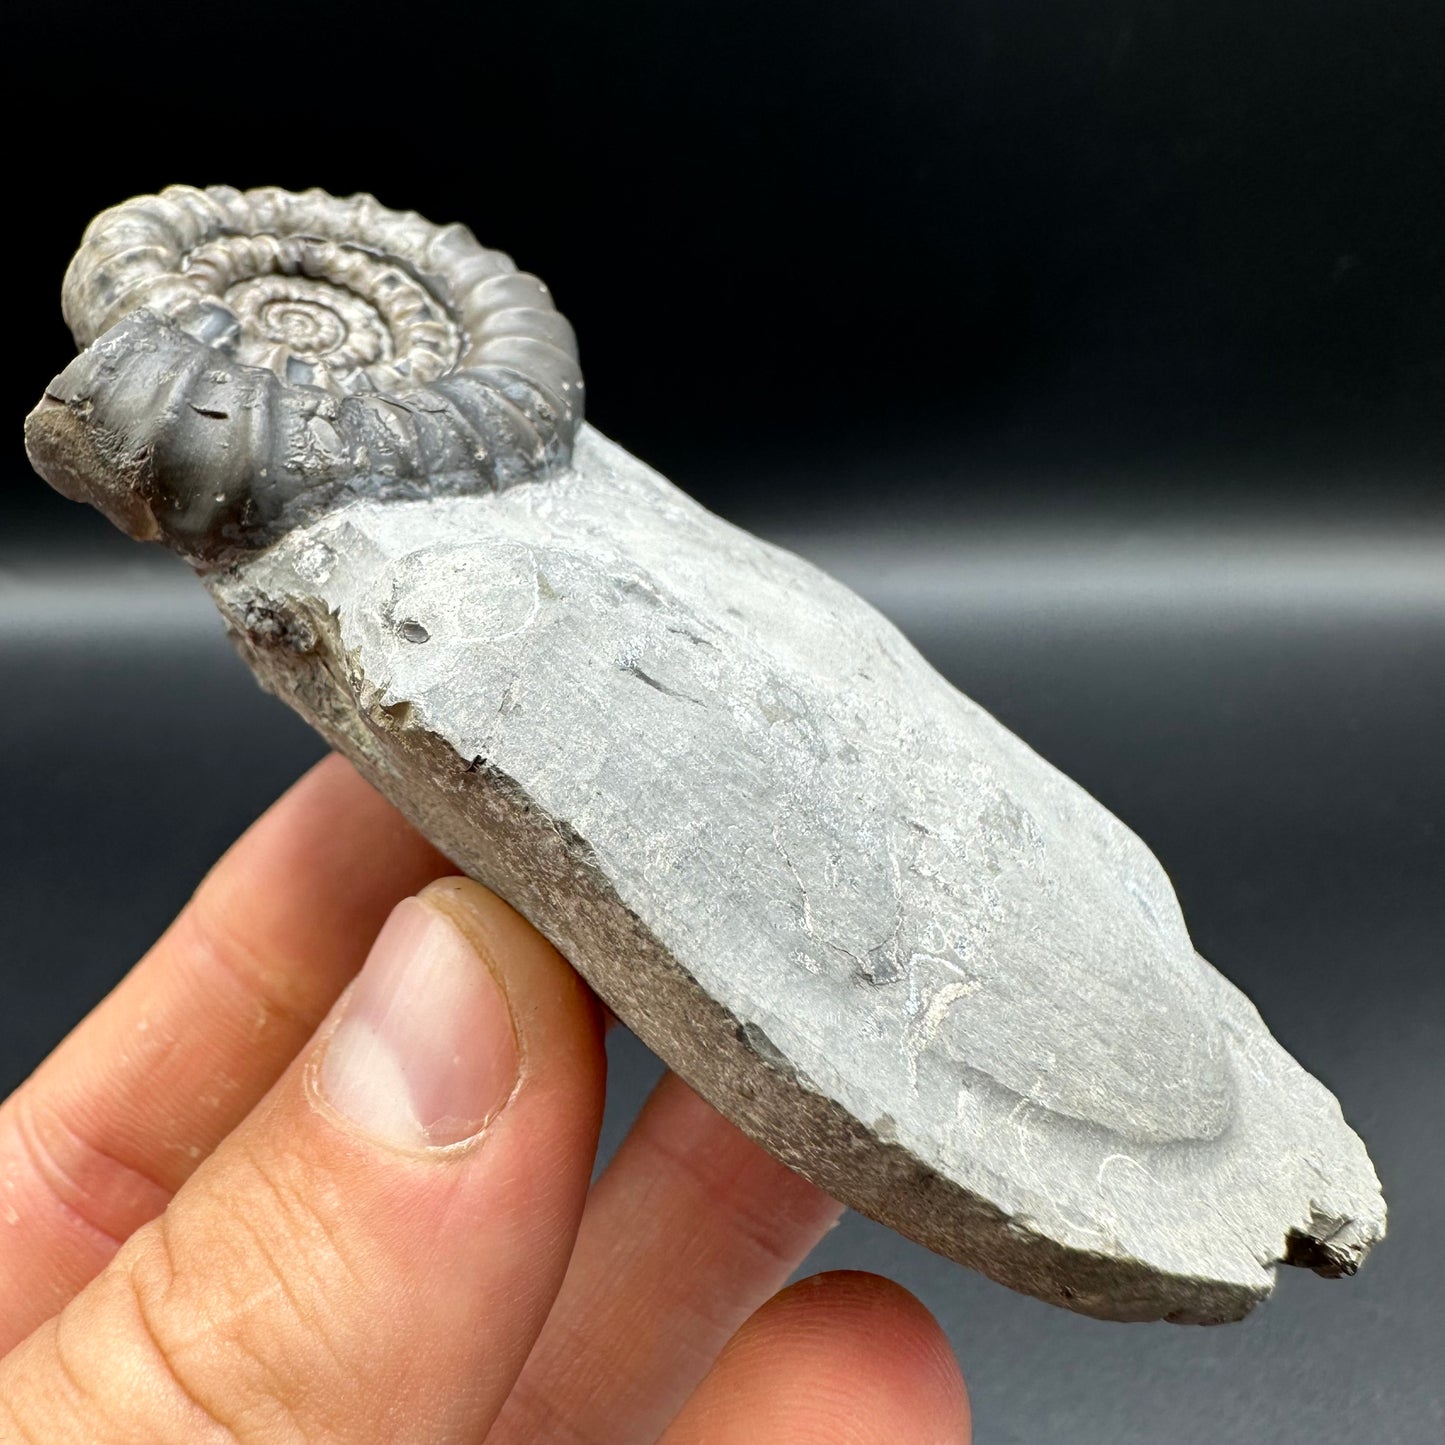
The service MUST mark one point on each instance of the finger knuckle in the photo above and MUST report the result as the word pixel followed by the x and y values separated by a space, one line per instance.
pixel 243 1301
pixel 87 1186
pixel 165 1336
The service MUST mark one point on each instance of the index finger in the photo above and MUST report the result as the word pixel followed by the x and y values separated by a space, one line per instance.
pixel 97 1140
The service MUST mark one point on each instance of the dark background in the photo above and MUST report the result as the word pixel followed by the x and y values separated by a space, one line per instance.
pixel 1100 343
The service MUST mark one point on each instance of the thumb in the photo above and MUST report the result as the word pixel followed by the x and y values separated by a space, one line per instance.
pixel 372 1253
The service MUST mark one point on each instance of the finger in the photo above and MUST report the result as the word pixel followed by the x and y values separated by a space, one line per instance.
pixel 118 1117
pixel 370 1256
pixel 839 1357
pixel 691 1227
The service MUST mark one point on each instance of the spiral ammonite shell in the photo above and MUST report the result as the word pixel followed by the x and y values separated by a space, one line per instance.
pixel 252 355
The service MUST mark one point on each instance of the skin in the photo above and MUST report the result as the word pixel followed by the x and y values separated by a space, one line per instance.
pixel 198 1247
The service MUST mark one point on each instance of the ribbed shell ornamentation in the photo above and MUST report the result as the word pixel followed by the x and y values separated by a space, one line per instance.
pixel 297 346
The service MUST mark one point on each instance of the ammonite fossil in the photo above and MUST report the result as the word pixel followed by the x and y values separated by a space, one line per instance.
pixel 870 925
pixel 294 349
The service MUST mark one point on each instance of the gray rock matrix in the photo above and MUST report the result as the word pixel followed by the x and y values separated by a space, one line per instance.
pixel 871 926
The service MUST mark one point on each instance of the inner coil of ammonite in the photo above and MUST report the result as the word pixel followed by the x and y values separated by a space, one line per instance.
pixel 326 314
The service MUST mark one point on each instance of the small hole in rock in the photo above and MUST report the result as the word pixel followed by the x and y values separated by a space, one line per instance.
pixel 413 631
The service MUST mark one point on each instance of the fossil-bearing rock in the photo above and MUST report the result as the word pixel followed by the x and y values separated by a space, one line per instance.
pixel 895 946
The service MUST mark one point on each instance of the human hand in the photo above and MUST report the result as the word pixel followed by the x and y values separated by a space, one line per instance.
pixel 236 1207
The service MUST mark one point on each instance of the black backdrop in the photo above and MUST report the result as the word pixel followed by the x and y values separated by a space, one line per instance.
pixel 1101 343
pixel 1102 236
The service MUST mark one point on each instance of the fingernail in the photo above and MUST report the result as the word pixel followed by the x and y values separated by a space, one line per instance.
pixel 424 1052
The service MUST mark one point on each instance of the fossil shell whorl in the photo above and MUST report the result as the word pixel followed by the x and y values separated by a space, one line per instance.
pixel 253 357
